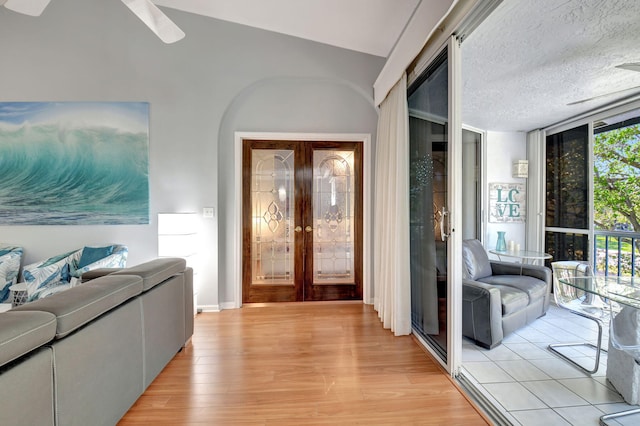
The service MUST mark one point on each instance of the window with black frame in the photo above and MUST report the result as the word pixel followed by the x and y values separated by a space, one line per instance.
pixel 567 194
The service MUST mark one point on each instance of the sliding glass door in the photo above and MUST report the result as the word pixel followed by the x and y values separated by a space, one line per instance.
pixel 428 148
pixel 434 190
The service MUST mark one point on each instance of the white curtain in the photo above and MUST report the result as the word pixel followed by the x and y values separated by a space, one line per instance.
pixel 392 278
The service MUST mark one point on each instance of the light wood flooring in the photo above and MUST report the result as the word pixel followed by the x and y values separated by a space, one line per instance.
pixel 301 364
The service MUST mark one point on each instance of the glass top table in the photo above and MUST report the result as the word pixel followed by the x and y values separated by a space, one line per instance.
pixel 623 295
pixel 623 290
pixel 526 256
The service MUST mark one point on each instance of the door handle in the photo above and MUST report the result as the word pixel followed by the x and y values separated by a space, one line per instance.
pixel 444 224
pixel 308 228
pixel 298 228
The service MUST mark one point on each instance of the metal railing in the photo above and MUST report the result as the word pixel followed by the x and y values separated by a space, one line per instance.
pixel 616 253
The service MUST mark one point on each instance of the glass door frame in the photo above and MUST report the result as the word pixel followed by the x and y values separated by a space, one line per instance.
pixel 367 237
pixel 454 256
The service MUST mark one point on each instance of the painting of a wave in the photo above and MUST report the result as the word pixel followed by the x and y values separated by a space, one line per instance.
pixel 74 163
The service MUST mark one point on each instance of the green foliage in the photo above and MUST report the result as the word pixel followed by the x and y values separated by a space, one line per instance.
pixel 617 178
pixel 614 243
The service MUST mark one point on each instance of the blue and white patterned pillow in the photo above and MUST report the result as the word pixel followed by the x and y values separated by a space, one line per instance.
pixel 50 276
pixel 9 266
pixel 114 256
pixel 62 272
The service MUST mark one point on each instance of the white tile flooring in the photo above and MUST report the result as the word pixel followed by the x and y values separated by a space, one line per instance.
pixel 532 386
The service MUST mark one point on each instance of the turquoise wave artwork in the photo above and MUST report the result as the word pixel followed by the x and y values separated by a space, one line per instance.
pixel 74 163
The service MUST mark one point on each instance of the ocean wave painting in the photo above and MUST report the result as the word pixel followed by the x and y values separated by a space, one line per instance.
pixel 74 163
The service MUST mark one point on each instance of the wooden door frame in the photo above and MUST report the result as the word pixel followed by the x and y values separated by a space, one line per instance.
pixel 367 285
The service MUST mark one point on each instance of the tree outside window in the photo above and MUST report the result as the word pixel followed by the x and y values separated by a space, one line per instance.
pixel 617 190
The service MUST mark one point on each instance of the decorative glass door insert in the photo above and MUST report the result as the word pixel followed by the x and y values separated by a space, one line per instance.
pixel 333 216
pixel 302 232
pixel 272 217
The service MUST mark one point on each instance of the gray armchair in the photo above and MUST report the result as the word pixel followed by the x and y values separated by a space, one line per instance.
pixel 499 297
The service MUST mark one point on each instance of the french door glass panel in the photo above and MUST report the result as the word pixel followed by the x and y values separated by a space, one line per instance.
pixel 272 198
pixel 333 217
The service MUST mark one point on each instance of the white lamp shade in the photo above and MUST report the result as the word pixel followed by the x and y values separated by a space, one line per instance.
pixel 177 245
pixel 177 223
pixel 178 235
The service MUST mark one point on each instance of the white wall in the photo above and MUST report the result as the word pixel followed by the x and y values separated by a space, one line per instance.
pixel 502 149
pixel 221 78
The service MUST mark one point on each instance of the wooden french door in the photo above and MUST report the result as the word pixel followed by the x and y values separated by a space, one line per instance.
pixel 302 221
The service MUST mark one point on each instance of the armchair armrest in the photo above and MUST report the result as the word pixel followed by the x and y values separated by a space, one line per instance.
pixel 481 313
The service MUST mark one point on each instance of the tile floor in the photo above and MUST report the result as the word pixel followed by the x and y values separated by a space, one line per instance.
pixel 532 386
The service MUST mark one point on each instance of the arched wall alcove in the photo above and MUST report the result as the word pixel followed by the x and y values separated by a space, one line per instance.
pixel 280 105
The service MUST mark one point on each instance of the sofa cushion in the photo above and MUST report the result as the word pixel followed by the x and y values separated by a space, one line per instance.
pixel 476 260
pixel 97 273
pixel 533 287
pixel 156 271
pixel 22 332
pixel 512 299
pixel 80 305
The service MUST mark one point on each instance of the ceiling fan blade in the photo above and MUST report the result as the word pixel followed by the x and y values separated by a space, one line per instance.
pixel 27 7
pixel 155 19
pixel 631 66
pixel 602 96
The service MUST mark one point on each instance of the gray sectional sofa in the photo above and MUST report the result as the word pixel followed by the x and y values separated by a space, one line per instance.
pixel 500 297
pixel 85 355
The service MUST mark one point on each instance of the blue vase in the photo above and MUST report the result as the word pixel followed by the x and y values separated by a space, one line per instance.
pixel 501 244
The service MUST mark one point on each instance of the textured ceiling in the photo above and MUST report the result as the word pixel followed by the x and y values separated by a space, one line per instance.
pixel 530 59
pixel 369 26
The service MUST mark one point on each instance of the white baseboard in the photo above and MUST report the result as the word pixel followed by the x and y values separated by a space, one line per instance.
pixel 229 305
pixel 208 308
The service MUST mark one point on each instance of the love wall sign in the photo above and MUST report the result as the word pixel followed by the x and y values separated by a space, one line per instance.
pixel 507 202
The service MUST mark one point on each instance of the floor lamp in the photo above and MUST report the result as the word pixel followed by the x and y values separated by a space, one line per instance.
pixel 178 237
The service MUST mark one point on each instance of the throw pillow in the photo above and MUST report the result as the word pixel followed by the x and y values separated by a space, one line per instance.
pixel 48 290
pixel 475 259
pixel 93 254
pixel 9 267
pixel 42 277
